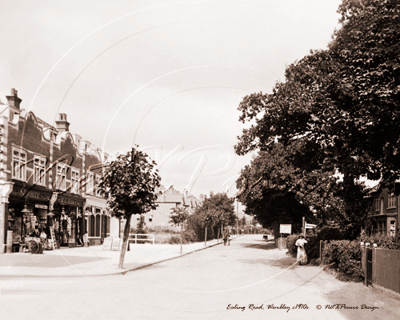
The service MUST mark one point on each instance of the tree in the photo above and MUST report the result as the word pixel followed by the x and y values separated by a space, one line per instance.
pixel 206 220
pixel 130 182
pixel 338 107
pixel 221 208
pixel 178 217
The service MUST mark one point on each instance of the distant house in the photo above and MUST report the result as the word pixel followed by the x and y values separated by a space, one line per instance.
pixel 167 199
pixel 384 213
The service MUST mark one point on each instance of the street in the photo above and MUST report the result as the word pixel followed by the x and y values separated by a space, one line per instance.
pixel 249 279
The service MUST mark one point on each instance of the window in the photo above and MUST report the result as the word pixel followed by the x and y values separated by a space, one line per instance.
pixel 391 201
pixel 98 193
pixel 74 181
pixel 19 164
pixel 89 183
pixel 61 177
pixel 376 204
pixel 39 170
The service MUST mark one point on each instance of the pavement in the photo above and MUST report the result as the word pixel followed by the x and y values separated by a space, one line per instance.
pixel 92 261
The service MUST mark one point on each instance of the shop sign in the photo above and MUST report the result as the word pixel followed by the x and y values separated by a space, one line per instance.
pixel 69 201
pixel 32 194
pixel 41 206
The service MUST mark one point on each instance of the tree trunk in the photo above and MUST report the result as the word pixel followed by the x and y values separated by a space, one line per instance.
pixel 218 235
pixel 125 241
pixel 205 238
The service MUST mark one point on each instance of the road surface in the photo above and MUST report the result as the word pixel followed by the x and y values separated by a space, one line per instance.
pixel 249 279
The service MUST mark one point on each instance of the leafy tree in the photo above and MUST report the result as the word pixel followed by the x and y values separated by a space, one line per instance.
pixel 178 217
pixel 130 182
pixel 337 111
pixel 221 208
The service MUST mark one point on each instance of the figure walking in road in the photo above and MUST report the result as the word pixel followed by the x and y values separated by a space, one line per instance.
pixel 301 252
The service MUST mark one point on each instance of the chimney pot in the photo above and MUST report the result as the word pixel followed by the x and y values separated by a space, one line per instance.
pixel 13 99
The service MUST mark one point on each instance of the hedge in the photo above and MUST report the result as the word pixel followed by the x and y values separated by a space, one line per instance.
pixel 345 257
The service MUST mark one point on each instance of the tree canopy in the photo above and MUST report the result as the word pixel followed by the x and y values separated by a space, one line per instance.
pixel 342 101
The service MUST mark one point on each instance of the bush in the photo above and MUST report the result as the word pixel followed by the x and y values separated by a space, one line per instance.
pixel 383 241
pixel 345 257
pixel 173 240
pixel 290 243
pixel 189 236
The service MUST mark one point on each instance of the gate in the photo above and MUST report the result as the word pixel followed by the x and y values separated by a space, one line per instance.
pixel 369 267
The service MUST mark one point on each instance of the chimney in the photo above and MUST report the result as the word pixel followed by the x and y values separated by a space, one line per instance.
pixel 62 123
pixel 14 100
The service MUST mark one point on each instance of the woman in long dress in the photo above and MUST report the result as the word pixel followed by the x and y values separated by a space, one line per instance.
pixel 301 252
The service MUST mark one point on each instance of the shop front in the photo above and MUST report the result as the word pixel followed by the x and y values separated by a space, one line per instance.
pixel 68 222
pixel 98 220
pixel 27 215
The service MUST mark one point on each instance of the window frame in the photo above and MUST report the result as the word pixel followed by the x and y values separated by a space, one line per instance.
pixel 376 205
pixel 65 167
pixel 75 179
pixel 19 174
pixel 391 201
pixel 90 182
pixel 41 180
pixel 97 180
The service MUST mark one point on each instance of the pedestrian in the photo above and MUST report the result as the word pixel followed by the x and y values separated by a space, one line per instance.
pixel 301 251
pixel 228 239
pixel 43 237
pixel 225 237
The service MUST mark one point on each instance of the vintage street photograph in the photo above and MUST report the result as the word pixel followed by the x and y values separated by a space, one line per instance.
pixel 200 159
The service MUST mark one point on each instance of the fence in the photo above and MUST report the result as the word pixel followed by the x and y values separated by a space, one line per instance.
pixel 141 237
pixel 381 267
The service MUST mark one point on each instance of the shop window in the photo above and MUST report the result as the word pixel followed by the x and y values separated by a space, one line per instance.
pixel 19 164
pixel 61 177
pixel 392 201
pixel 98 224
pixel 92 222
pixel 40 170
pixel 89 183
pixel 74 180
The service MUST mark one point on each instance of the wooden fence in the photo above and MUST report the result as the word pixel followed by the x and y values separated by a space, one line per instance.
pixel 381 267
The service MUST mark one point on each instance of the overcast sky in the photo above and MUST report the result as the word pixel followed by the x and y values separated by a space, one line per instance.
pixel 165 75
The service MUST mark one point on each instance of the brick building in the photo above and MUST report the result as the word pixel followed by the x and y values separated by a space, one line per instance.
pixel 385 213
pixel 47 179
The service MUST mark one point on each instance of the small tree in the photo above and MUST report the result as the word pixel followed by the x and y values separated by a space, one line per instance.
pixel 178 217
pixel 130 182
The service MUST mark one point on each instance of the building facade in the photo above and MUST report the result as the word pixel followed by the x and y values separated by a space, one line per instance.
pixel 385 214
pixel 159 219
pixel 47 181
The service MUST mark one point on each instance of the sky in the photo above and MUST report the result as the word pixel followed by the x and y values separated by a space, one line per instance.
pixel 164 75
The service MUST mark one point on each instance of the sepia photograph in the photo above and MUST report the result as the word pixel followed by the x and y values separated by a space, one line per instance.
pixel 200 159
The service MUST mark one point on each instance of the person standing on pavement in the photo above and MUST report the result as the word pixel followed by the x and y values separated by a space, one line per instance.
pixel 225 237
pixel 301 251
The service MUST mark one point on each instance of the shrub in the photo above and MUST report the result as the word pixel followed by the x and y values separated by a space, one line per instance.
pixel 290 243
pixel 189 236
pixel 345 257
pixel 174 240
pixel 383 241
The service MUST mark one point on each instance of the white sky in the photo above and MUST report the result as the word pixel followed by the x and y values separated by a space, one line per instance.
pixel 158 73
